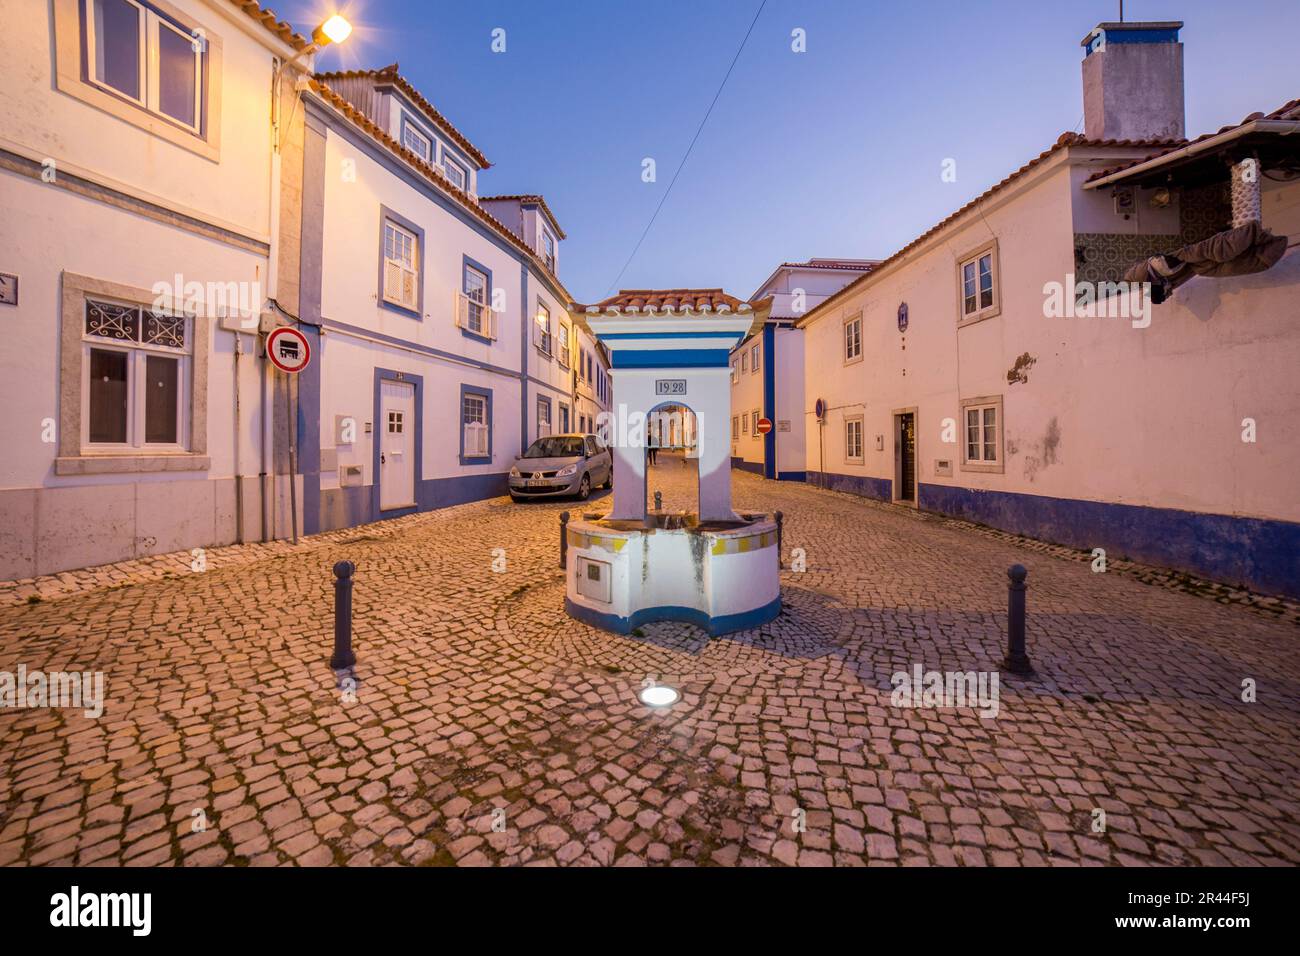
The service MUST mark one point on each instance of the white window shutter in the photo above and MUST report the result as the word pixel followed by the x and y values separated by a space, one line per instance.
pixel 392 280
pixel 409 296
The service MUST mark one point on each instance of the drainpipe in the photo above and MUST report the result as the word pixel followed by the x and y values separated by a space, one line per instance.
pixel 267 473
pixel 239 472
pixel 821 448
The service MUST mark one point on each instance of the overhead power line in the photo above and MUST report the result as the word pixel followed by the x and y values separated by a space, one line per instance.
pixel 664 198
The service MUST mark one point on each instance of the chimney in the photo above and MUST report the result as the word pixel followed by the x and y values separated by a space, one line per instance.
pixel 1133 81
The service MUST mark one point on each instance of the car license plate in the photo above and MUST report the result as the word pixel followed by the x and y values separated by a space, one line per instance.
pixel 538 483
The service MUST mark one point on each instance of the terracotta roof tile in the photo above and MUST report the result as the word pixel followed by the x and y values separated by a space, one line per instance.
pixel 1287 111
pixel 389 74
pixel 463 198
pixel 273 23
pixel 846 265
pixel 674 300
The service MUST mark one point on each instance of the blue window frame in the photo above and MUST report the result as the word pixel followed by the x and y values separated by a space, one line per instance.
pixel 417 139
pixel 475 424
pixel 401 264
pixel 476 283
pixel 544 416
pixel 455 170
pixel 564 418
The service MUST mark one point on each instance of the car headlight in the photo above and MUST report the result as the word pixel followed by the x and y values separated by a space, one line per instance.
pixel 566 471
pixel 514 471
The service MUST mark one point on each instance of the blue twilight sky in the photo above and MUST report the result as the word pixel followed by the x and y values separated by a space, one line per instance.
pixel 836 151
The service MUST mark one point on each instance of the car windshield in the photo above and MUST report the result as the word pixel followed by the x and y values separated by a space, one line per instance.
pixel 555 446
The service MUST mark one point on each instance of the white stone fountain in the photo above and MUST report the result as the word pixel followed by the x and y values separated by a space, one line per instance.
pixel 712 568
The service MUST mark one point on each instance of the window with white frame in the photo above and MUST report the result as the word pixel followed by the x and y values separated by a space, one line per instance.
pixel 136 53
pixel 477 319
pixel 734 362
pixel 853 338
pixel 982 448
pixel 853 441
pixel 753 420
pixel 401 274
pixel 542 328
pixel 475 425
pixel 744 362
pixel 744 424
pixel 735 427
pixel 548 249
pixel 454 171
pixel 562 343
pixel 136 378
pixel 543 417
pixel 416 141
pixel 977 276
pixel 753 357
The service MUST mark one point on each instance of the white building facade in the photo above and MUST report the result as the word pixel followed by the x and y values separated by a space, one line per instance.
pixel 137 236
pixel 965 375
pixel 440 365
pixel 767 368
pixel 175 186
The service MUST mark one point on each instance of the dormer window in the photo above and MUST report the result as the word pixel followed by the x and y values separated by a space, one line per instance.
pixel 548 250
pixel 416 141
pixel 456 174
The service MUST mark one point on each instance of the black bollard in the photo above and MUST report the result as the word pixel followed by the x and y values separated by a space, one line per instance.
pixel 780 555
pixel 343 658
pixel 1017 660
pixel 659 501
pixel 564 539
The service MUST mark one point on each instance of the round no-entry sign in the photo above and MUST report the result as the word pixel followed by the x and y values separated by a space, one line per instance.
pixel 288 350
pixel 764 426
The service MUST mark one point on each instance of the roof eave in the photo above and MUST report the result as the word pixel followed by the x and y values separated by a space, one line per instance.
pixel 1180 153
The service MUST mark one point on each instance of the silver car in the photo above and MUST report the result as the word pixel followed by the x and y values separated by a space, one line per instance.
pixel 558 465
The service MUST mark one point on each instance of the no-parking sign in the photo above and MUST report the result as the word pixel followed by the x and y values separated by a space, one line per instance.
pixel 288 350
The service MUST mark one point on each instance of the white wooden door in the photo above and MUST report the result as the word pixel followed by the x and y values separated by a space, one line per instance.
pixel 397 445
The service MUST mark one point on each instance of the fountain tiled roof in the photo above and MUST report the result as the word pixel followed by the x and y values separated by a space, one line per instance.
pixel 669 300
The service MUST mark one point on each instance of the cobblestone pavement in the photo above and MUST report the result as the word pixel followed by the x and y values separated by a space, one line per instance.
pixel 488 728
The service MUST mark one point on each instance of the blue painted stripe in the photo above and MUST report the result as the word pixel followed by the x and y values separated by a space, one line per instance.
pixel 524 339
pixel 352 506
pixel 1169 35
pixel 417 347
pixel 1260 553
pixel 605 336
pixel 880 489
pixel 670 358
pixel 308 429
pixel 549 387
pixel 753 467
pixel 792 476
pixel 723 624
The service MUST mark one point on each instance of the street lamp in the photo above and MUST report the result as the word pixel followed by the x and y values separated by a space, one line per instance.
pixel 334 30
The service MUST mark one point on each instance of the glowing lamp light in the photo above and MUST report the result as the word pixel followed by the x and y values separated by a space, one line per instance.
pixel 658 695
pixel 334 30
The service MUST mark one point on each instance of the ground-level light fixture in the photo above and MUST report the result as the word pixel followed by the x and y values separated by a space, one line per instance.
pixel 659 695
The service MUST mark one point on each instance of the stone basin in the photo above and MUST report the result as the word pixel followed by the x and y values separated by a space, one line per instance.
pixel 721 576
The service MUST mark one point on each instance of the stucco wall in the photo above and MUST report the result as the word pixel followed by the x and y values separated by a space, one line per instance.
pixel 1104 412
